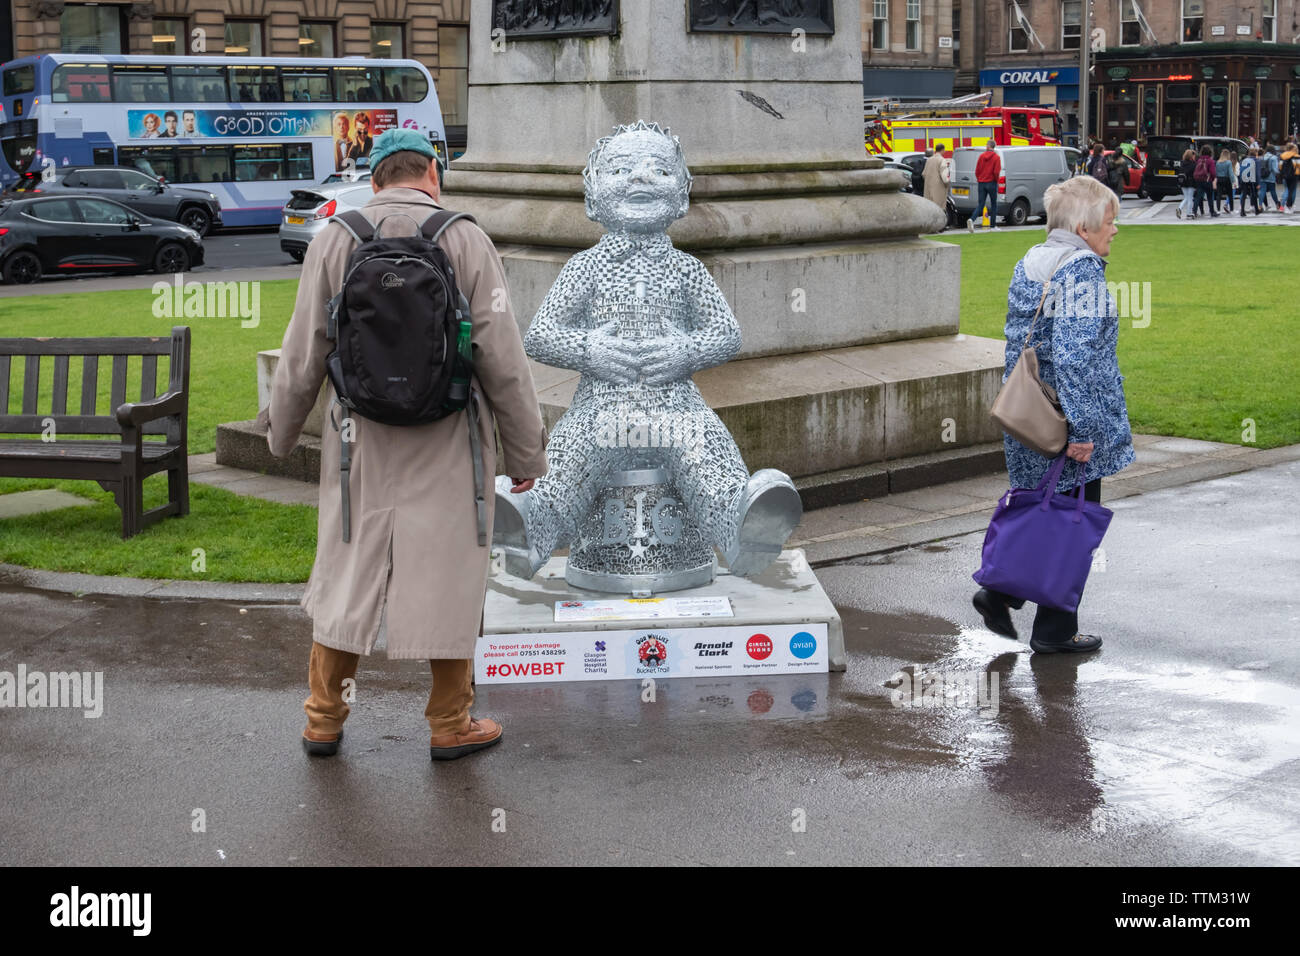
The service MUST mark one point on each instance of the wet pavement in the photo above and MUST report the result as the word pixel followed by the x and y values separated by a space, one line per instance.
pixel 1178 743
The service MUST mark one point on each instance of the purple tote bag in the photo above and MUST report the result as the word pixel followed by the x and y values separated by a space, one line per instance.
pixel 1039 544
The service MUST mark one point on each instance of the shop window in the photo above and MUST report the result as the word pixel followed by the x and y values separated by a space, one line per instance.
pixel 315 38
pixel 169 37
pixel 386 41
pixel 243 38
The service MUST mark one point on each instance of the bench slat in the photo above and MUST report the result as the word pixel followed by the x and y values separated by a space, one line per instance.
pixel 4 384
pixel 60 397
pixel 89 383
pixel 65 424
pixel 117 390
pixel 31 384
pixel 137 345
pixel 109 450
pixel 148 377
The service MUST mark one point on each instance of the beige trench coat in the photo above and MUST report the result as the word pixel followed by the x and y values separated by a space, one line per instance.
pixel 414 548
pixel 936 185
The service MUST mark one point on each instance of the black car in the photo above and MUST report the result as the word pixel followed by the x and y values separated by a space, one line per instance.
pixel 196 208
pixel 1165 153
pixel 74 234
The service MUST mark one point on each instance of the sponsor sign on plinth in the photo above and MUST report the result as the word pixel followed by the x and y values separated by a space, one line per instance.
pixel 651 652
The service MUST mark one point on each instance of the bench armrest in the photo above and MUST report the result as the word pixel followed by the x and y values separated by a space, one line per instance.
pixel 134 414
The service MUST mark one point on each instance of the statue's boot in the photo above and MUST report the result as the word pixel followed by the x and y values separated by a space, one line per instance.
pixel 510 530
pixel 768 511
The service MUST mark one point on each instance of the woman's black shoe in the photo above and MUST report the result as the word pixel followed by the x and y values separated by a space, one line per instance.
pixel 1079 644
pixel 996 616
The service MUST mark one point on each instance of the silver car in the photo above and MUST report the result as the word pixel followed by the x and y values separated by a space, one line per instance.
pixel 1027 171
pixel 309 210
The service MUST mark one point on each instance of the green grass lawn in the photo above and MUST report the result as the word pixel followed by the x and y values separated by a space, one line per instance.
pixel 1219 349
pixel 1221 344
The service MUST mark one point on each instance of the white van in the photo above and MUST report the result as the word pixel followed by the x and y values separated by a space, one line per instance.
pixel 1027 171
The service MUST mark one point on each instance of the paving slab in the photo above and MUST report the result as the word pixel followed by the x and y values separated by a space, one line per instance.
pixel 19 503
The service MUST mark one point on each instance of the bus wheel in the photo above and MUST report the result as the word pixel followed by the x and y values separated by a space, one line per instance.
pixel 1019 213
pixel 197 219
pixel 172 257
pixel 22 268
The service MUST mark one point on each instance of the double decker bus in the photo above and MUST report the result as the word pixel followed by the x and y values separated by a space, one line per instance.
pixel 249 129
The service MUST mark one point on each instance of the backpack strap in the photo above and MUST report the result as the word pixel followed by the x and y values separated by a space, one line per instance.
pixel 355 223
pixel 438 222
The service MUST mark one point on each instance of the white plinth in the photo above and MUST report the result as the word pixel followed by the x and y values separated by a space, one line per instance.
pixel 520 630
pixel 266 363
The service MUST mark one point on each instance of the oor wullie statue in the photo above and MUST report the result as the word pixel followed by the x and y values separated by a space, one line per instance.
pixel 637 318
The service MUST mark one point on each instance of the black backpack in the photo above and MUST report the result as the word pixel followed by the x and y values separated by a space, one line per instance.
pixel 401 333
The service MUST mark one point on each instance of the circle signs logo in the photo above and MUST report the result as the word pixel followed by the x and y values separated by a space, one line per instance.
pixel 803 645
pixel 759 647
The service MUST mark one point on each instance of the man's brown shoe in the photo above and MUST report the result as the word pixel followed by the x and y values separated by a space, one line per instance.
pixel 481 734
pixel 319 746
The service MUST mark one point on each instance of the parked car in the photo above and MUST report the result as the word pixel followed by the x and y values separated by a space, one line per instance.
pixel 308 211
pixel 915 163
pixel 906 184
pixel 74 234
pixel 1165 153
pixel 198 209
pixel 1027 171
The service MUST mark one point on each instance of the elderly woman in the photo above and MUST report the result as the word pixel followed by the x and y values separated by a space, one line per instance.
pixel 1075 339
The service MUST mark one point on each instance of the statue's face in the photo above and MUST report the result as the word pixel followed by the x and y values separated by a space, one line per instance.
pixel 638 184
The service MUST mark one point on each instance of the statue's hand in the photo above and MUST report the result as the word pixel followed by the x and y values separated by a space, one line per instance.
pixel 671 360
pixel 610 358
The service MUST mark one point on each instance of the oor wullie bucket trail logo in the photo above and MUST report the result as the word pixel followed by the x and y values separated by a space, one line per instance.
pixel 652 654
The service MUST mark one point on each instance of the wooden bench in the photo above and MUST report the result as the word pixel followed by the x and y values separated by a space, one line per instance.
pixel 119 463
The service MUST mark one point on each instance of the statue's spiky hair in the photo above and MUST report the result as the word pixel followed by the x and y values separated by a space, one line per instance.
pixel 588 173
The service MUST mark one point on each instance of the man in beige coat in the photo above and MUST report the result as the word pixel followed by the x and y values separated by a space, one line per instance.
pixel 935 176
pixel 413 570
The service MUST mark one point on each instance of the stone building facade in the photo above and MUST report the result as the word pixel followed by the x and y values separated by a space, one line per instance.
pixel 908 48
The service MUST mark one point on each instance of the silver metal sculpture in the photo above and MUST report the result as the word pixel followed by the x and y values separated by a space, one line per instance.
pixel 644 478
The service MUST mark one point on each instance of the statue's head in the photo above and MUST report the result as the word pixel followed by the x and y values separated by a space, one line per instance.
pixel 636 179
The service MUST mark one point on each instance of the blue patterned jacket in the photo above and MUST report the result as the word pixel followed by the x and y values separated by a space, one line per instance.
pixel 1075 339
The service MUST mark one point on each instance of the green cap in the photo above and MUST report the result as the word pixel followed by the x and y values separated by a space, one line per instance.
pixel 395 140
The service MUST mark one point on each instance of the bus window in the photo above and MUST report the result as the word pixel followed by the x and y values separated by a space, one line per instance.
pixel 153 161
pixel 357 84
pixel 254 84
pixel 199 84
pixel 307 85
pixel 103 156
pixel 75 83
pixel 19 80
pixel 299 156
pixel 202 164
pixel 1019 125
pixel 258 163
pixel 403 84
pixel 141 84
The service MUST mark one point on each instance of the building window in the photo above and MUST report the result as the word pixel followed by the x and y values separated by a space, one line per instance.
pixel 453 73
pixel 880 25
pixel 1017 38
pixel 956 26
pixel 1130 30
pixel 1071 24
pixel 92 28
pixel 168 37
pixel 1193 21
pixel 1268 23
pixel 914 24
pixel 315 38
pixel 386 41
pixel 243 38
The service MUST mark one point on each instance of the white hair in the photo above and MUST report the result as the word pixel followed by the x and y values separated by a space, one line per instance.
pixel 1080 201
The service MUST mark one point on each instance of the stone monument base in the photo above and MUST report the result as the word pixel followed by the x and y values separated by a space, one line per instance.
pixel 782 622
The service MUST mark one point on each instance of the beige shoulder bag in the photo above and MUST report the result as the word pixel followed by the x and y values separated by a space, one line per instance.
pixel 1025 408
